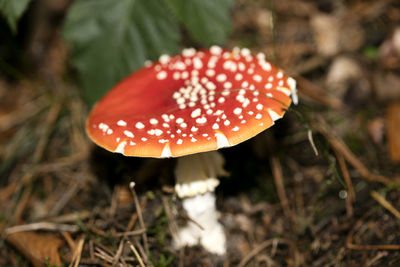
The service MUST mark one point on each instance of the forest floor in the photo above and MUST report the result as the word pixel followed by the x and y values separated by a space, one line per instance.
pixel 64 201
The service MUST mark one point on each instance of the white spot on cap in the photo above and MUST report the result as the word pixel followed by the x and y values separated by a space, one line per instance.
pixel 265 66
pixel 221 77
pixel 227 122
pixel 185 75
pixel 144 139
pixel 215 50
pixel 210 72
pixel 225 92
pixel 194 129
pixel 221 100
pixel 222 141
pixel 211 86
pixel 139 125
pixel 259 106
pixel 215 126
pixel 166 153
pixel 193 140
pixel 158 132
pixel 109 131
pixel 153 121
pixel 121 147
pixel 227 85
pixel 129 134
pixel 257 78
pixel 258 116
pixel 268 86
pixel 245 52
pixel 188 52
pixel 201 120
pixel 197 63
pixel 165 117
pixel 284 90
pixel 179 142
pixel 103 127
pixel 164 59
pixel 237 111
pixel 162 75
pixel 176 75
pixel 121 123
pixel 238 76
pixel 235 129
pixel 279 75
pixel 179 120
pixel 195 113
pixel 292 85
pixel 273 114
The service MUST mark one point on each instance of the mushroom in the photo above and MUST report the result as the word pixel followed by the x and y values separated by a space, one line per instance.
pixel 188 106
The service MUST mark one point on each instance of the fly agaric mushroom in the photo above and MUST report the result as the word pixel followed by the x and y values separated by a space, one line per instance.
pixel 198 101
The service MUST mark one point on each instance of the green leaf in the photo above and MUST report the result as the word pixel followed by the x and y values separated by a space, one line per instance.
pixel 12 11
pixel 113 38
pixel 208 21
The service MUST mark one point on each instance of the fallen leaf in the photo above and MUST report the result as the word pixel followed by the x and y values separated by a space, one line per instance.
pixel 38 248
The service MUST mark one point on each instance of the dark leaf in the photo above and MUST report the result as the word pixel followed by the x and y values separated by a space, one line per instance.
pixel 12 10
pixel 113 38
pixel 208 21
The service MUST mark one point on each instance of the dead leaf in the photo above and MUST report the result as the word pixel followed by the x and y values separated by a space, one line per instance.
pixel 38 248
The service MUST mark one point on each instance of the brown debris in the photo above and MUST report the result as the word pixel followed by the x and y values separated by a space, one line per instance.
pixel 38 248
pixel 387 86
pixel 342 148
pixel 393 130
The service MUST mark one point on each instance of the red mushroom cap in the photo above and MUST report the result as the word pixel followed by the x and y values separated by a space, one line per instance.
pixel 194 102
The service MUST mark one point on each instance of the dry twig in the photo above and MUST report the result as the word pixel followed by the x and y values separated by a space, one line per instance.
pixel 280 187
pixel 338 145
pixel 140 216
pixel 172 225
pixel 136 254
pixel 256 250
pixel 381 200
pixel 350 245
pixel 350 190
pixel 48 226
pixel 119 253
pixel 77 254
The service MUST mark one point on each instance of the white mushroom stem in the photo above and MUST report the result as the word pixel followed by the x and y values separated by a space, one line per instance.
pixel 196 177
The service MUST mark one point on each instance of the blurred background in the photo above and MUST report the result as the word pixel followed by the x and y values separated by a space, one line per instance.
pixel 320 188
